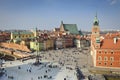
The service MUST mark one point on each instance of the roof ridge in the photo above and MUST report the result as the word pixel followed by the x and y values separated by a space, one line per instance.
pixel 70 24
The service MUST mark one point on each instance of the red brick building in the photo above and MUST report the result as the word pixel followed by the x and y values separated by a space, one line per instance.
pixel 106 51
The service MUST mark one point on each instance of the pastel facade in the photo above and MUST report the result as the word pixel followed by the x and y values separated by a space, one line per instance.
pixel 22 35
pixel 4 36
pixel 42 45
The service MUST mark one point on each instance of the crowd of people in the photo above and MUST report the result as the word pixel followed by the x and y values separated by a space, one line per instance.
pixel 70 56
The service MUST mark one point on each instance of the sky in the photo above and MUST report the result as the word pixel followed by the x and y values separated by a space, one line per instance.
pixel 48 14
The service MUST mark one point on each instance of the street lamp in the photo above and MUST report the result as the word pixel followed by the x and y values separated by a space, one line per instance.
pixel 37 62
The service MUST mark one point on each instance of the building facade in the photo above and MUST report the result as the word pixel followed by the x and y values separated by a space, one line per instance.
pixel 105 51
pixel 4 36
pixel 22 35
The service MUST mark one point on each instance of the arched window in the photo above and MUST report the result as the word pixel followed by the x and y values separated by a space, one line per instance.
pixel 105 58
pixel 100 58
pixel 105 52
pixel 99 51
pixel 111 58
pixel 112 52
pixel 111 64
pixel 105 63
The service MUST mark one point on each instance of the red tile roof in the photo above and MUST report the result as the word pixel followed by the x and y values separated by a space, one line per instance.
pixel 112 35
pixel 109 44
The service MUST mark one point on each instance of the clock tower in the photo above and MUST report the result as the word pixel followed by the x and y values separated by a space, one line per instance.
pixel 95 29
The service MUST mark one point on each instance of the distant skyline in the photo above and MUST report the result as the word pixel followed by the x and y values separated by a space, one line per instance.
pixel 48 14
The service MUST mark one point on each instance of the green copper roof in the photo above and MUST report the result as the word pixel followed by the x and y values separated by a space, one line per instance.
pixel 23 32
pixel 96 21
pixel 17 38
pixel 72 28
pixel 80 32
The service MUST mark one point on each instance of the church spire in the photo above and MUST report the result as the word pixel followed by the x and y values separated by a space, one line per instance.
pixel 96 21
pixel 62 22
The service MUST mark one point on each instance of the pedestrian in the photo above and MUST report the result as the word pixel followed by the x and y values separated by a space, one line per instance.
pixel 32 78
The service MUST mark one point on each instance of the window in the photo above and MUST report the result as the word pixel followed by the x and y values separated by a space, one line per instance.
pixel 105 63
pixel 105 52
pixel 112 52
pixel 99 51
pixel 99 63
pixel 105 58
pixel 100 58
pixel 111 64
pixel 111 58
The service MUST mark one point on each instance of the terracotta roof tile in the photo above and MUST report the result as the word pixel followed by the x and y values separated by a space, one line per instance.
pixel 109 44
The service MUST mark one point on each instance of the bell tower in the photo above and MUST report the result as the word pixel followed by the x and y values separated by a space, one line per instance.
pixel 95 28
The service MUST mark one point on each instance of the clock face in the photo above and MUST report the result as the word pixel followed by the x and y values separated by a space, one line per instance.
pixel 95 29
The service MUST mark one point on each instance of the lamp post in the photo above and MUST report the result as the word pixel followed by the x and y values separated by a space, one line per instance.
pixel 37 57
pixel 37 62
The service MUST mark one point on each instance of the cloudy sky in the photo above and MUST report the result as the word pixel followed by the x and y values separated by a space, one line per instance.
pixel 47 14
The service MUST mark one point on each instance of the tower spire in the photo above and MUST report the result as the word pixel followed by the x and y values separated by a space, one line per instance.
pixel 61 22
pixel 96 21
pixel 96 14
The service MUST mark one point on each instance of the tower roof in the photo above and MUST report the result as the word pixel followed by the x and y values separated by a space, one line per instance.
pixel 96 21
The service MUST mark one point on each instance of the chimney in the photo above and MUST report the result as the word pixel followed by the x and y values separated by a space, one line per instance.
pixel 115 40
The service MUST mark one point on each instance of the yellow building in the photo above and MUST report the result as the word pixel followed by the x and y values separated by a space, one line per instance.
pixel 22 35
pixel 49 44
pixel 44 45
pixel 37 46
